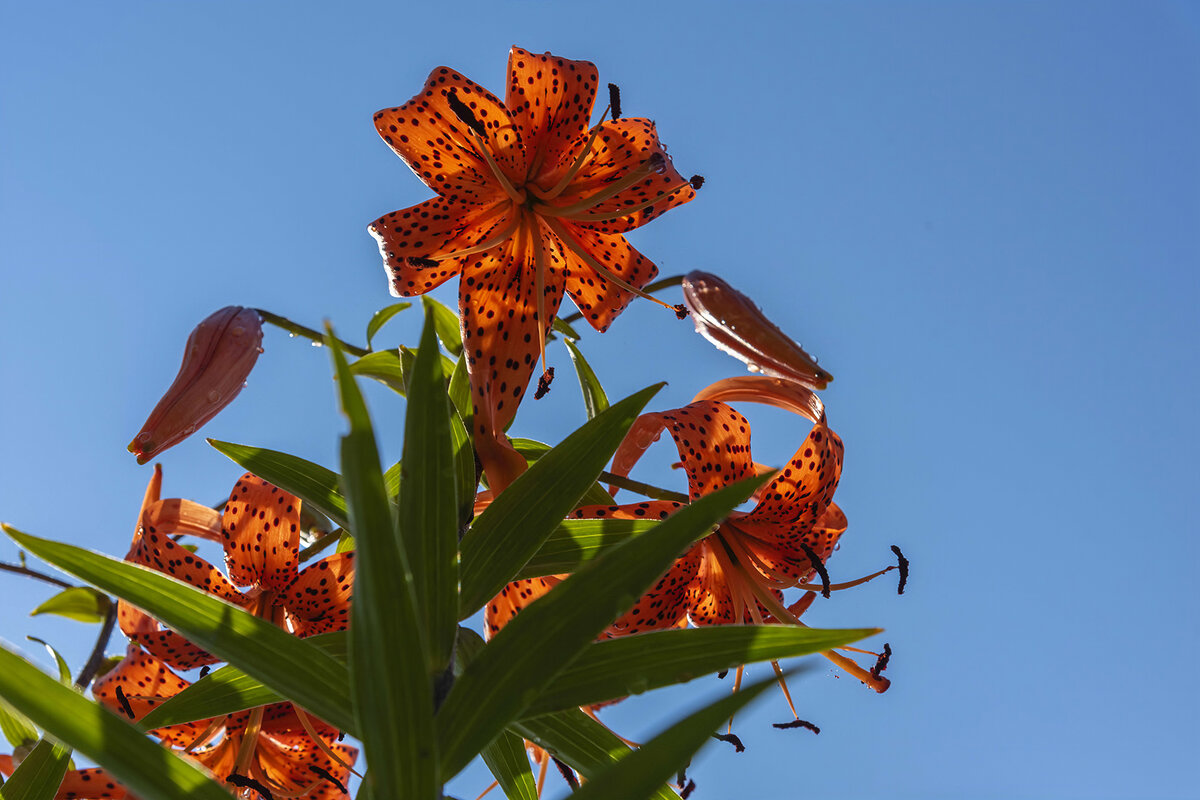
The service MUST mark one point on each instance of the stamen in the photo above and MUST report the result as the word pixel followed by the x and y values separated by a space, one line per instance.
pixel 245 754
pixel 306 723
pixel 882 663
pixel 498 239
pixel 903 569
pixel 681 311
pixel 696 181
pixel 246 782
pixel 325 774
pixel 206 734
pixel 484 793
pixel 614 100
pixel 567 773
pixel 579 250
pixel 732 739
pixel 657 162
pixel 543 387
pixel 124 701
pixel 566 179
pixel 687 790
pixel 819 566
pixel 543 762
pixel 464 113
pixel 625 211
pixel 796 723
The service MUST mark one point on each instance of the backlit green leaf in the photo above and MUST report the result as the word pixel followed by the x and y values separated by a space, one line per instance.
pixel 311 482
pixel 79 603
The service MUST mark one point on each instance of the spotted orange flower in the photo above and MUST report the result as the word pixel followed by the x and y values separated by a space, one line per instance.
pixel 259 529
pixel 738 573
pixel 532 201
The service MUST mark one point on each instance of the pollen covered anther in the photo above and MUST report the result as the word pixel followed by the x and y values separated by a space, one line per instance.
pixel 325 774
pixel 903 564
pixel 696 181
pixel 882 662
pixel 614 100
pixel 249 783
pixel 543 387
pixel 732 739
pixel 687 790
pixel 796 723
pixel 680 310
pixel 819 566
pixel 124 701
pixel 464 113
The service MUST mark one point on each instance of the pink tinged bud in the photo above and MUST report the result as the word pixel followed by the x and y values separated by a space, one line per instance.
pixel 733 323
pixel 219 356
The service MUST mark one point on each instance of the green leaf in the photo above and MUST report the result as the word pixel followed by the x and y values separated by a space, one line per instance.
pixel 580 742
pixel 311 482
pixel 149 770
pixel 576 541
pixel 17 730
pixel 514 526
pixel 635 664
pixel 428 508
pixel 594 398
pixel 381 317
pixel 449 329
pixel 40 773
pixel 392 702
pixel 291 666
pixel 79 603
pixel 64 672
pixel 564 327
pixel 466 479
pixel 523 658
pixel 640 774
pixel 460 390
pixel 596 495
pixel 385 366
pixel 229 690
pixel 505 756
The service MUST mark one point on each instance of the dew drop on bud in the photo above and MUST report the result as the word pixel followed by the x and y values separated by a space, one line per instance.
pixel 214 396
pixel 237 331
pixel 144 436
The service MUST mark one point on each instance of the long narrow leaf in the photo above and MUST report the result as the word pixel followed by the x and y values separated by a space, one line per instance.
pixel 393 702
pixel 505 756
pixel 594 398
pixel 576 541
pixel 634 664
pixel 580 742
pixel 538 643
pixel 513 527
pixel 146 768
pixel 638 775
pixel 385 366
pixel 381 317
pixel 17 730
pixel 428 513
pixel 448 326
pixel 293 667
pixel 312 483
pixel 40 773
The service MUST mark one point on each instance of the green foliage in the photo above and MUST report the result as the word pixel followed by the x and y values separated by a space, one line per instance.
pixel 78 603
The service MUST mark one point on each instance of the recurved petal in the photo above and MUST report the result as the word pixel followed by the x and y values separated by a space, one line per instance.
pixel 261 526
pixel 620 149
pixel 599 299
pixel 550 99
pixel 423 246
pixel 318 599
pixel 146 683
pixel 163 643
pixel 442 149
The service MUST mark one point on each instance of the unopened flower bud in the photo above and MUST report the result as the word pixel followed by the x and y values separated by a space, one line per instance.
pixel 733 323
pixel 220 354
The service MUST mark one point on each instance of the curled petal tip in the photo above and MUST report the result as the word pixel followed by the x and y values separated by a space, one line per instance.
pixel 218 357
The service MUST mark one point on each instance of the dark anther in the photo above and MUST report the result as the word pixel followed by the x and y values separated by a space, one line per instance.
pixel 203 671
pixel 329 778
pixel 567 773
pixel 682 777
pixel 124 701
pixel 249 783
pixel 797 723
pixel 544 384
pixel 722 674
pixel 681 311
pixel 696 181
pixel 882 662
pixel 687 790
pixel 730 739
pixel 903 569
pixel 464 113
pixel 341 735
pixel 424 263
pixel 614 100
pixel 815 560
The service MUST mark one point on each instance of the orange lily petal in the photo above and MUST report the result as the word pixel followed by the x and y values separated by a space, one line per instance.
pixel 146 683
pixel 550 99
pixel 713 442
pixel 177 516
pixel 710 599
pixel 261 524
pixel 822 537
pixel 289 759
pixel 598 299
pixel 432 230
pixel 318 599
pixel 514 597
pixel 441 149
pixel 86 784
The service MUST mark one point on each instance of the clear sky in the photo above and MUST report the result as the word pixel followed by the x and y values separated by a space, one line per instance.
pixel 981 216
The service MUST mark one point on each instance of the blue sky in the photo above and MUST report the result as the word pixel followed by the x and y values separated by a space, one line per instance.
pixel 981 216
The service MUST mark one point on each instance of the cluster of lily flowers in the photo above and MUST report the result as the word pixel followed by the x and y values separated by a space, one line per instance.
pixel 532 203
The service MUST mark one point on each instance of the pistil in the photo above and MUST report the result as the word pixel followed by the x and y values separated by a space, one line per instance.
pixel 655 163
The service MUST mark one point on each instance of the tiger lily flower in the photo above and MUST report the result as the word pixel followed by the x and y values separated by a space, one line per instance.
pixel 531 202
pixel 259 529
pixel 272 747
pixel 737 574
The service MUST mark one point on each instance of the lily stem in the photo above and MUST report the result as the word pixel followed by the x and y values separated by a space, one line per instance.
pixel 320 544
pixel 31 573
pixel 297 329
pixel 97 657
pixel 643 488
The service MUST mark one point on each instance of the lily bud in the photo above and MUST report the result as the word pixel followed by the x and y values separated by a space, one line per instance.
pixel 733 323
pixel 220 354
